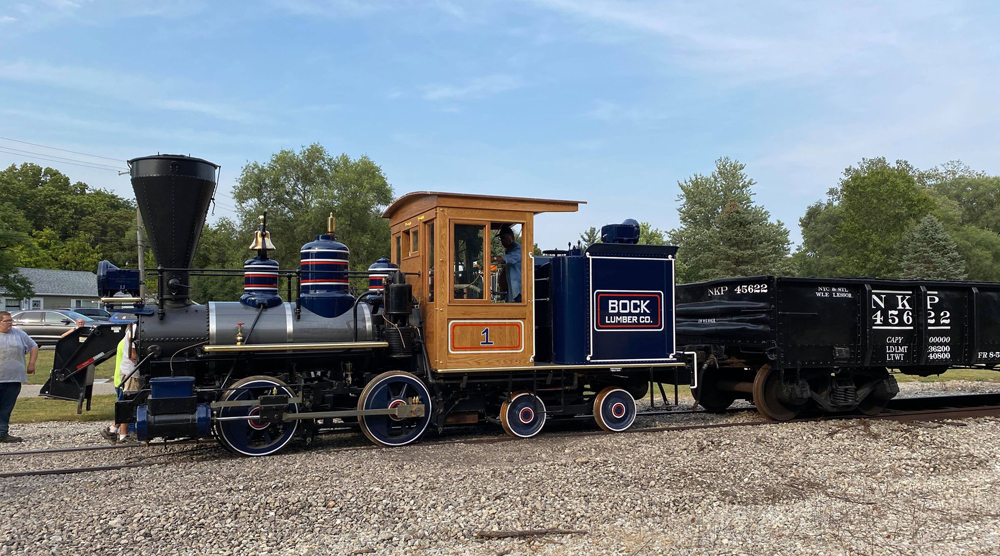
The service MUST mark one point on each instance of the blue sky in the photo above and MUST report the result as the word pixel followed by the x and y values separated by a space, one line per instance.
pixel 611 102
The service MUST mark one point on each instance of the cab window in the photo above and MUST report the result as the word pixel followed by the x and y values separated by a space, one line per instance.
pixel 506 262
pixel 468 258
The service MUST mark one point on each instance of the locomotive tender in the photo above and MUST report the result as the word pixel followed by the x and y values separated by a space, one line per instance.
pixel 432 343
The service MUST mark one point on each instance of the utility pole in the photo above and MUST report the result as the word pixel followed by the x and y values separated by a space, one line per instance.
pixel 142 259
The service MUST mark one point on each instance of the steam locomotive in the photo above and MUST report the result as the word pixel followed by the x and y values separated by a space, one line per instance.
pixel 433 342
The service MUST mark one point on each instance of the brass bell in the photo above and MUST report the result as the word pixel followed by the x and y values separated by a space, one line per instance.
pixel 262 239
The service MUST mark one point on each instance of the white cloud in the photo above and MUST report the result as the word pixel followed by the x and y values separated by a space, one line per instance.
pixel 613 112
pixel 412 140
pixel 127 87
pixel 922 126
pixel 451 9
pixel 7 19
pixel 760 41
pixel 153 135
pixel 40 14
pixel 330 8
pixel 480 87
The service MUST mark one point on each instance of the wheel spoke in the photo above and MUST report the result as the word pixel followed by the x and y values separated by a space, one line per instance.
pixel 382 392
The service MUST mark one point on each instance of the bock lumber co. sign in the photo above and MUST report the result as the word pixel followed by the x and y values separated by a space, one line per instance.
pixel 628 310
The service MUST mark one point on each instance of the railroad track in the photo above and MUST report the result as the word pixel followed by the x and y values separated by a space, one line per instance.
pixel 904 410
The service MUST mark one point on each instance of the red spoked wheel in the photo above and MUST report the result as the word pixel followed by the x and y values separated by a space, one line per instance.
pixel 523 415
pixel 387 391
pixel 614 409
pixel 239 429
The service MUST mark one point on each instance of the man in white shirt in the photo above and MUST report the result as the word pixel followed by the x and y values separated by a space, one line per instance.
pixel 14 345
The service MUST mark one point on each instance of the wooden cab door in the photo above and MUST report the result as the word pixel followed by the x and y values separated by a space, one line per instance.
pixel 484 326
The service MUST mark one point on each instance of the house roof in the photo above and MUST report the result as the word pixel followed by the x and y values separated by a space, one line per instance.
pixel 60 282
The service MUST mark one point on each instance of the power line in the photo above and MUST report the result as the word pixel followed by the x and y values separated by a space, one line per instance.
pixel 227 207
pixel 58 149
pixel 54 157
pixel 91 165
pixel 83 164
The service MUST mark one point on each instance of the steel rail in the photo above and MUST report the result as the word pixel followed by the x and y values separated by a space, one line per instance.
pixel 74 470
pixel 936 414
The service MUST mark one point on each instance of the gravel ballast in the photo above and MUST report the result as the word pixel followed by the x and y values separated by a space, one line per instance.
pixel 837 487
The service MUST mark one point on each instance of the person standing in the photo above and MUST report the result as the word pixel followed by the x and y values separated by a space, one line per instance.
pixel 79 324
pixel 14 345
pixel 124 381
pixel 511 259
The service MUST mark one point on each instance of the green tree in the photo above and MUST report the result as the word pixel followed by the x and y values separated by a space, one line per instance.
pixel 12 237
pixel 968 206
pixel 63 219
pixel 722 232
pixel 818 255
pixel 590 237
pixel 929 254
pixel 980 252
pixel 648 235
pixel 47 250
pixel 976 195
pixel 859 229
pixel 221 246
pixel 879 202
pixel 300 189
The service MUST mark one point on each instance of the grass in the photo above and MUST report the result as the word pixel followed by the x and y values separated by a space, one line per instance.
pixel 35 410
pixel 43 367
pixel 973 375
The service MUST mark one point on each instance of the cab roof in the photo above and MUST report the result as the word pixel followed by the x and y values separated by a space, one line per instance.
pixel 423 200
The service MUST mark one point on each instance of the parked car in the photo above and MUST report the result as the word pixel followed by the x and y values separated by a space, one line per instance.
pixel 95 313
pixel 46 327
pixel 123 318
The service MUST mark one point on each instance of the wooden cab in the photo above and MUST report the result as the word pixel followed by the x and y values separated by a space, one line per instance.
pixel 474 318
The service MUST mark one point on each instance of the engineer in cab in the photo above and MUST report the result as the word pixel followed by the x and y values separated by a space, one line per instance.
pixel 511 261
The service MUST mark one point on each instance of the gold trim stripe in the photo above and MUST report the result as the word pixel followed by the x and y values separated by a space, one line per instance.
pixel 294 347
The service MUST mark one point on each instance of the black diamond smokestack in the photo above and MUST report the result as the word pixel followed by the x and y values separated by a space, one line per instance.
pixel 173 193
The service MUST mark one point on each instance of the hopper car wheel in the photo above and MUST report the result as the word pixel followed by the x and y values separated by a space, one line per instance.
pixel 872 405
pixel 523 415
pixel 766 396
pixel 614 409
pixel 387 390
pixel 253 437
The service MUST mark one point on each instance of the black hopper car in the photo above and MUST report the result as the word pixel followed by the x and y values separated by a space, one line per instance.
pixel 791 344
